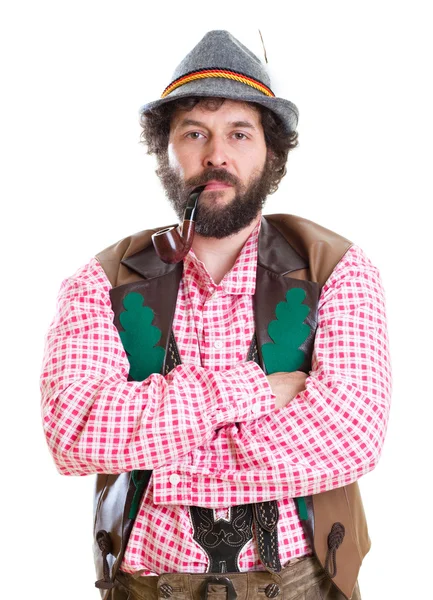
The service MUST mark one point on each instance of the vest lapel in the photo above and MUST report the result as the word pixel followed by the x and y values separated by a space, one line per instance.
pixel 159 289
pixel 276 261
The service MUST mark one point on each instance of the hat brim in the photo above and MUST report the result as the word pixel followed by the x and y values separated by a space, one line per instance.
pixel 232 90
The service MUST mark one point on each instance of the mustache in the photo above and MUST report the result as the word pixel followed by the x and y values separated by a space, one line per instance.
pixel 220 175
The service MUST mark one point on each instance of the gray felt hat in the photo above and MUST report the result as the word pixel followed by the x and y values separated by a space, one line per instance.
pixel 220 66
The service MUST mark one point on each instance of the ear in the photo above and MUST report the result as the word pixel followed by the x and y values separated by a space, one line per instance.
pixel 271 153
pixel 271 156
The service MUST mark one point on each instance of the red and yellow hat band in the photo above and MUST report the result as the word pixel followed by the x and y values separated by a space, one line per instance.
pixel 221 73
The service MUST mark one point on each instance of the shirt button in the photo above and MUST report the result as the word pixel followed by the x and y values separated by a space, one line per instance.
pixel 218 344
pixel 174 479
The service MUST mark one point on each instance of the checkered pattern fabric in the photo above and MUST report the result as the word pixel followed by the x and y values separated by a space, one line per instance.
pixel 209 429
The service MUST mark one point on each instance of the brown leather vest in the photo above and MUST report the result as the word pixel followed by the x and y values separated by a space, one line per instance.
pixel 292 252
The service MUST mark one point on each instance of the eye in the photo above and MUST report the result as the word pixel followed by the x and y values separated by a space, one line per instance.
pixel 240 136
pixel 194 135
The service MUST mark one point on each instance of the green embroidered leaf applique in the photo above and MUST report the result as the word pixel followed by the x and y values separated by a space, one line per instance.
pixel 288 333
pixel 140 337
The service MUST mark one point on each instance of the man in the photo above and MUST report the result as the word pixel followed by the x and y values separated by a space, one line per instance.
pixel 228 402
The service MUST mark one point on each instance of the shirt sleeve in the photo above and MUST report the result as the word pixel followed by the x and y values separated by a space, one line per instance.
pixel 96 421
pixel 329 435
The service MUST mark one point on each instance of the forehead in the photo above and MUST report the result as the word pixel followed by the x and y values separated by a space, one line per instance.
pixel 228 112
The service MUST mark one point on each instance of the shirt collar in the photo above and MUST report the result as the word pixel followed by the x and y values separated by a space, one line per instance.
pixel 240 280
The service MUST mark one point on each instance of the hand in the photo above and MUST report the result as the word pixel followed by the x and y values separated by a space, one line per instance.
pixel 285 386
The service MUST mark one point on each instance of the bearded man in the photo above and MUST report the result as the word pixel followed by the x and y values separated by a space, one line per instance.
pixel 230 401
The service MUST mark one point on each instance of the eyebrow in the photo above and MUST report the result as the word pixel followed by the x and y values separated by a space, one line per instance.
pixel 188 122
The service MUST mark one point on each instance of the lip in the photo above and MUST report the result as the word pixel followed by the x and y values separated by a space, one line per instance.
pixel 217 185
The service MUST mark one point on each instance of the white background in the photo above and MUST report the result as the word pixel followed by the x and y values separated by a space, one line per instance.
pixel 75 179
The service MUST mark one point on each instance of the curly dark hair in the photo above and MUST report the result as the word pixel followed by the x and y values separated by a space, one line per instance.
pixel 156 131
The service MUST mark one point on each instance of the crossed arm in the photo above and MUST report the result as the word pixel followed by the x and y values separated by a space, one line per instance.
pixel 219 431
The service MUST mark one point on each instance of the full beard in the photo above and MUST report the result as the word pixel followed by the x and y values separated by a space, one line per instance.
pixel 213 220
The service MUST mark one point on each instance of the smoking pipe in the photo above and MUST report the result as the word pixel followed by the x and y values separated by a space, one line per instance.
pixel 172 244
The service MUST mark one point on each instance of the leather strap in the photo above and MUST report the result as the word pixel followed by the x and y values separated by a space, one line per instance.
pixel 266 513
pixel 265 520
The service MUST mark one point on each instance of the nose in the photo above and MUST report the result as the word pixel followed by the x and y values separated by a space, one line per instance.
pixel 216 153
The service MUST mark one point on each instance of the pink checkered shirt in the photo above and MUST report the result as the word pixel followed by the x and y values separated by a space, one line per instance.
pixel 209 429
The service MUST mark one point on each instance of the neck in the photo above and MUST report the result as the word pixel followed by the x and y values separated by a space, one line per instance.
pixel 219 255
